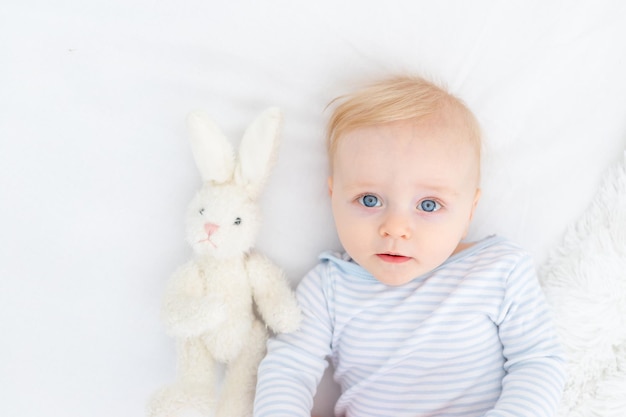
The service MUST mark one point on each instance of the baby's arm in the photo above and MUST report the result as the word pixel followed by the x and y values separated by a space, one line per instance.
pixel 291 371
pixel 534 363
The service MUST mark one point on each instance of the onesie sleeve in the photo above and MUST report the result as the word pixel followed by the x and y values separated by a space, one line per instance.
pixel 534 360
pixel 293 367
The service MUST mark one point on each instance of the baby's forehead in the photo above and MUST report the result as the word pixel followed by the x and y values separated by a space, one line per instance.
pixel 444 132
pixel 407 140
pixel 451 123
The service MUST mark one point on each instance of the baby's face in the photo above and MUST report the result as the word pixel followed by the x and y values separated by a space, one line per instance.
pixel 403 195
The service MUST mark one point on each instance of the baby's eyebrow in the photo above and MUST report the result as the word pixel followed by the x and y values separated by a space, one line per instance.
pixel 437 189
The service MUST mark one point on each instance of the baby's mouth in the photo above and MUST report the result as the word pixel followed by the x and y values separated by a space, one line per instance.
pixel 393 258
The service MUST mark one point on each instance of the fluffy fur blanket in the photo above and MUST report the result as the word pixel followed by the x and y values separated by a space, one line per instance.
pixel 585 283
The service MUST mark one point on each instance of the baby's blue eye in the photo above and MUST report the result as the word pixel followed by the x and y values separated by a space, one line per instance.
pixel 429 206
pixel 369 200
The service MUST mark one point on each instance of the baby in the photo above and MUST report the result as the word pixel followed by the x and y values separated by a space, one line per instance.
pixel 416 321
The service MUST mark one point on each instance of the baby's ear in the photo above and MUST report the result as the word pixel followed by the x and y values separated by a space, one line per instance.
pixel 476 199
pixel 473 209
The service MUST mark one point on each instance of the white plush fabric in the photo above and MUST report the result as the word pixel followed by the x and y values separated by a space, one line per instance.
pixel 585 282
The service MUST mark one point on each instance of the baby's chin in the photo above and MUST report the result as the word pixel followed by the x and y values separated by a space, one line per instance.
pixel 394 269
pixel 397 275
pixel 397 272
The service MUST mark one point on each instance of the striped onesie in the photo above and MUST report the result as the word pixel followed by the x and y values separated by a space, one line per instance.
pixel 473 337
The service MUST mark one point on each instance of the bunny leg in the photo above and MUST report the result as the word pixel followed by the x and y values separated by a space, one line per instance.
pixel 239 384
pixel 194 389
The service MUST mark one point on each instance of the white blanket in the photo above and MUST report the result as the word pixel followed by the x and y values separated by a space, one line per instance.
pixel 96 170
pixel 585 282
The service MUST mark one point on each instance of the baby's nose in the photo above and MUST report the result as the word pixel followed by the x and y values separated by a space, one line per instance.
pixel 396 226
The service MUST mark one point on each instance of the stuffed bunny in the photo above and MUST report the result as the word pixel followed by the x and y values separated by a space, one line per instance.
pixel 210 302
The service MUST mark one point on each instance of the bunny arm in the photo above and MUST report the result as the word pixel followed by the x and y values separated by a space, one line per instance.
pixel 272 294
pixel 188 310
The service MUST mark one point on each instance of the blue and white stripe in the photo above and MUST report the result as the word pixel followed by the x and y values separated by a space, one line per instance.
pixel 472 338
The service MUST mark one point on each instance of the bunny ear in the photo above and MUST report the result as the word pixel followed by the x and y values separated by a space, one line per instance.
pixel 258 149
pixel 211 150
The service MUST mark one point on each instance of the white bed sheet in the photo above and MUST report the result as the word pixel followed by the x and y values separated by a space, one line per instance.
pixel 96 171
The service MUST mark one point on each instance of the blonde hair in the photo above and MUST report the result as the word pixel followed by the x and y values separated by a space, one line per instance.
pixel 398 98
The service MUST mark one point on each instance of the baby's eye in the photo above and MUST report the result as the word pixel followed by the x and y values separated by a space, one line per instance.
pixel 429 206
pixel 369 200
pixel 237 221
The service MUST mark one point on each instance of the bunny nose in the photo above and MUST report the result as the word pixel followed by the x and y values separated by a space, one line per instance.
pixel 210 228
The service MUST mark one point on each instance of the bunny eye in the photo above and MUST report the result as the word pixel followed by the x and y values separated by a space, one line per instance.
pixel 201 211
pixel 237 221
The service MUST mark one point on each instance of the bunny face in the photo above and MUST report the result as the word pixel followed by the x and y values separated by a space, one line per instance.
pixel 222 222
pixel 223 218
